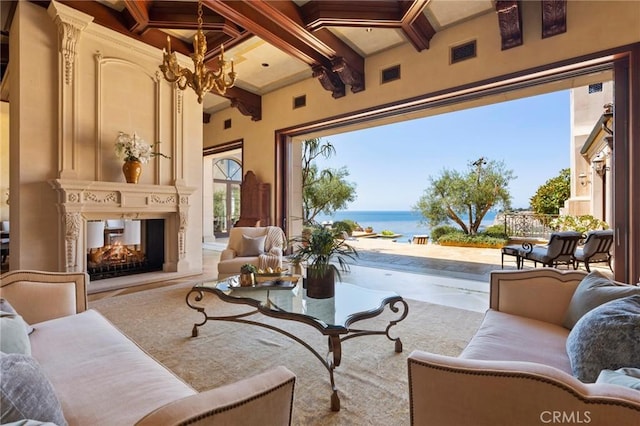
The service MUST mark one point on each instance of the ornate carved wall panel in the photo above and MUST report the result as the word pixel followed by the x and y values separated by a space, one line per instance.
pixel 255 202
pixel 127 99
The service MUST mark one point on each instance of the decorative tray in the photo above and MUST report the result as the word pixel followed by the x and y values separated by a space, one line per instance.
pixel 282 276
pixel 270 285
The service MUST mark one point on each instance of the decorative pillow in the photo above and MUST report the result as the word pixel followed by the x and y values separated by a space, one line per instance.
pixel 252 246
pixel 628 377
pixel 594 290
pixel 13 335
pixel 26 393
pixel 5 306
pixel 606 338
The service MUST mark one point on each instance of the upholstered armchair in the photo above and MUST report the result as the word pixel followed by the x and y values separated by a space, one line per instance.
pixel 261 246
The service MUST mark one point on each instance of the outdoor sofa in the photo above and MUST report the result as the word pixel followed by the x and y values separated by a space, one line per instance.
pixel 520 366
pixel 100 377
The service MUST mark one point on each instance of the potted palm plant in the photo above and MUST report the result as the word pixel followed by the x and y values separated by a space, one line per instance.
pixel 321 250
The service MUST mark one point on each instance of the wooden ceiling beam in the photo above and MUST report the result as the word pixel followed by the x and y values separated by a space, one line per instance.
pixel 333 13
pixel 268 29
pixel 415 24
pixel 139 13
pixel 345 62
pixel 510 23
pixel 182 15
pixel 280 24
pixel 406 15
pixel 348 64
pixel 554 17
pixel 246 102
pixel 114 20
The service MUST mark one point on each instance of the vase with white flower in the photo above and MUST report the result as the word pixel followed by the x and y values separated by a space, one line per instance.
pixel 135 152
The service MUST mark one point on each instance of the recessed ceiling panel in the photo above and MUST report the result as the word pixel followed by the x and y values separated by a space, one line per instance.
pixel 442 13
pixel 262 68
pixel 184 35
pixel 368 41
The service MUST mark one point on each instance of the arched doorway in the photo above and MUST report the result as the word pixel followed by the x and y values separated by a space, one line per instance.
pixel 227 177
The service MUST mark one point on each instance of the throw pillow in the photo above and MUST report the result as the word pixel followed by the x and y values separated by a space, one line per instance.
pixel 252 246
pixel 26 393
pixel 5 306
pixel 13 335
pixel 628 377
pixel 606 338
pixel 594 290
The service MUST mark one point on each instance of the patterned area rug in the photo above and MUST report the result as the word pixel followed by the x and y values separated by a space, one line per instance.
pixel 371 380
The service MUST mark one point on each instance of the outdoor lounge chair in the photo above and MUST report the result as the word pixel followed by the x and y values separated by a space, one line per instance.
pixel 559 250
pixel 512 250
pixel 596 249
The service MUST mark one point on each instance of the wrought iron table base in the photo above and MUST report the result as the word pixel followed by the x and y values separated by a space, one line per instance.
pixel 334 340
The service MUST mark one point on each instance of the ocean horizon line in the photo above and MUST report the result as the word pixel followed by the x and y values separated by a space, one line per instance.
pixel 405 223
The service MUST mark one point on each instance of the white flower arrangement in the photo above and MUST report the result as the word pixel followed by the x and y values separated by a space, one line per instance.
pixel 134 148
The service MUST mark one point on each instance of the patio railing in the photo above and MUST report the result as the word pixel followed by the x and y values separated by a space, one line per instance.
pixel 527 225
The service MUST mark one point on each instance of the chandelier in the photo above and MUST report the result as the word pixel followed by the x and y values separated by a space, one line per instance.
pixel 201 79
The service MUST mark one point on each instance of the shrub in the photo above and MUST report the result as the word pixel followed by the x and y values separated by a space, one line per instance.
pixel 344 226
pixel 439 231
pixel 584 223
pixel 495 231
pixel 353 224
pixel 464 240
pixel 387 232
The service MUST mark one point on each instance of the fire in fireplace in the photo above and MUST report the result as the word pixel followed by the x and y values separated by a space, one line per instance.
pixel 124 247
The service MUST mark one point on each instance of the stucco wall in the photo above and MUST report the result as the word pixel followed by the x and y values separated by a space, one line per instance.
pixel 67 130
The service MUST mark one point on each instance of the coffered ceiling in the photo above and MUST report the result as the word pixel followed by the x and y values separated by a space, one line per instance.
pixel 276 43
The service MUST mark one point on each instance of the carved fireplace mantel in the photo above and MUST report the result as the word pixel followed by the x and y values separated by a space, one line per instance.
pixel 79 201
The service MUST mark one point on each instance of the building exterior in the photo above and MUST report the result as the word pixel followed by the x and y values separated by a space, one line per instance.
pixel 591 183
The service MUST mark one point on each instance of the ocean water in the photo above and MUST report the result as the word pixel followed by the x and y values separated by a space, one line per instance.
pixel 406 223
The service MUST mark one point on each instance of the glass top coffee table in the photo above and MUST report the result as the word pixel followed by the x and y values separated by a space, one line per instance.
pixel 287 300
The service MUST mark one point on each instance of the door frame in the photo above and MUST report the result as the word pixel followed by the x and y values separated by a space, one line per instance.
pixel 624 61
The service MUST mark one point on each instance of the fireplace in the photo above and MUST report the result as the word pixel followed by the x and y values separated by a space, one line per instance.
pixel 117 247
pixel 149 232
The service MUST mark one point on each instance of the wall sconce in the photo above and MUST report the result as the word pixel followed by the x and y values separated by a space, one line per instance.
pixel 582 178
pixel 599 166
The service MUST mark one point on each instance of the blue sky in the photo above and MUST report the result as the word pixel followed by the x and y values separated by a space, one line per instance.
pixel 391 165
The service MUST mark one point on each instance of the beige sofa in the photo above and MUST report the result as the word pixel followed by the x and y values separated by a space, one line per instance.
pixel 101 377
pixel 516 370
pixel 234 256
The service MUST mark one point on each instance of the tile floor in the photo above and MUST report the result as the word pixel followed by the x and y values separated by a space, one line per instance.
pixel 439 287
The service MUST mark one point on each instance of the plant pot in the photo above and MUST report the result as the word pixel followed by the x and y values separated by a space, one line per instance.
pixel 321 287
pixel 132 170
pixel 247 280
